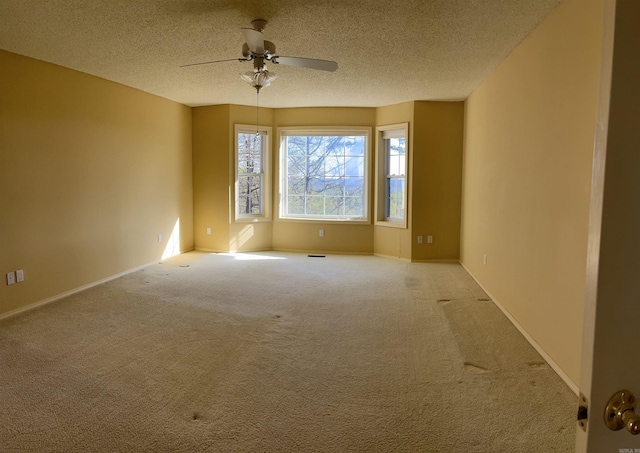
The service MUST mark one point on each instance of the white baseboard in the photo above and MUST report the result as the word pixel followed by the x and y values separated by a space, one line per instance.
pixel 48 300
pixel 567 380
pixel 206 250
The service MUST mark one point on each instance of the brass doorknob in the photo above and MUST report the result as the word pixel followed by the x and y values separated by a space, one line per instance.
pixel 620 412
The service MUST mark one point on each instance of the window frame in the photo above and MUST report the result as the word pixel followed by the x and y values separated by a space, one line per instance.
pixel 382 163
pixel 284 132
pixel 265 173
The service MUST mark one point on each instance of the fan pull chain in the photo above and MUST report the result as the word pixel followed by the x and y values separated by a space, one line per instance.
pixel 257 110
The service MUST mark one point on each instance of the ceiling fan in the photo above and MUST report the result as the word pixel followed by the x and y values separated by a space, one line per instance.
pixel 260 51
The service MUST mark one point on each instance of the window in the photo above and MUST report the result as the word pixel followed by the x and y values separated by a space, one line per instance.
pixel 392 175
pixel 324 174
pixel 252 159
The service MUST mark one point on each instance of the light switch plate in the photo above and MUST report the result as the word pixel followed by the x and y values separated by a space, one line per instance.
pixel 20 275
pixel 11 278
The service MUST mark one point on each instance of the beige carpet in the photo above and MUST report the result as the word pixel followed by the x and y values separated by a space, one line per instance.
pixel 287 353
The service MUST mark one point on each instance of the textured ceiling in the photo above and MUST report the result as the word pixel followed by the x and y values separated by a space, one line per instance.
pixel 388 51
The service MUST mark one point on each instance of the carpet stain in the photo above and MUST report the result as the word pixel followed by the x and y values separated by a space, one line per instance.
pixel 470 367
pixel 195 416
pixel 537 365
pixel 484 300
pixel 411 282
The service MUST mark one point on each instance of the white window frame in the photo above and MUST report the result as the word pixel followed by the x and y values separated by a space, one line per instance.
pixel 284 132
pixel 383 133
pixel 265 132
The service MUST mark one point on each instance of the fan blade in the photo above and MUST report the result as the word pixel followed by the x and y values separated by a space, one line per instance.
pixel 255 40
pixel 323 65
pixel 216 61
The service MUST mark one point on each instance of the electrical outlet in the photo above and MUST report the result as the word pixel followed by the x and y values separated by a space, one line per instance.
pixel 11 278
pixel 20 275
pixel 159 238
pixel 321 233
pixel 209 231
pixel 419 239
pixel 429 239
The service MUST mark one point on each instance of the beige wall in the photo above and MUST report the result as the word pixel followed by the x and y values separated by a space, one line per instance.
pixel 90 173
pixel 437 180
pixel 527 167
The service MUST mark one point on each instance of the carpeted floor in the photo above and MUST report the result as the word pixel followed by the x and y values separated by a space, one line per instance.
pixel 215 353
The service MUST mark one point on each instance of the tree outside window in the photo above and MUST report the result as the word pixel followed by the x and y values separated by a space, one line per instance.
pixel 391 179
pixel 251 176
pixel 324 176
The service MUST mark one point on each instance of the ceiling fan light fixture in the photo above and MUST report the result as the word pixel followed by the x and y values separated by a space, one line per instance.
pixel 258 79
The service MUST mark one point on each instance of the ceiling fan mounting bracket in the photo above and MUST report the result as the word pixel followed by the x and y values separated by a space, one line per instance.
pixel 259 24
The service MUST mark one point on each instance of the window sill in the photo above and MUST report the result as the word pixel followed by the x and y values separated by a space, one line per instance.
pixel 253 219
pixel 328 220
pixel 391 224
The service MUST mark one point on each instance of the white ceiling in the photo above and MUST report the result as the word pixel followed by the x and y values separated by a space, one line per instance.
pixel 388 51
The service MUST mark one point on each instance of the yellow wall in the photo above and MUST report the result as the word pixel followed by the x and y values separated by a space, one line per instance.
pixel 437 179
pixel 526 183
pixel 438 133
pixel 304 235
pixel 211 182
pixel 93 171
pixel 90 173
